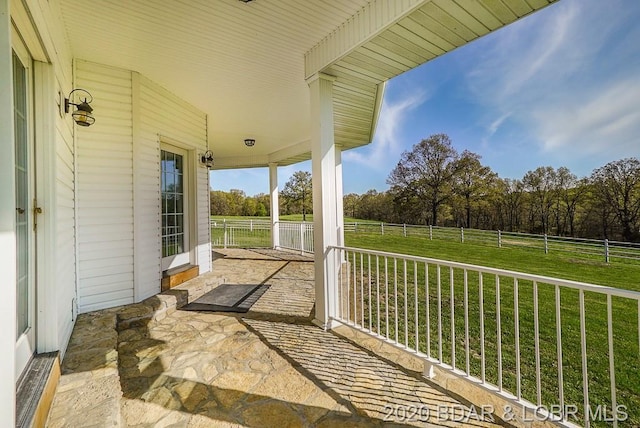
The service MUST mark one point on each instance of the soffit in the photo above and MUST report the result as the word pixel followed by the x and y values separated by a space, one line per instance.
pixel 432 29
pixel 242 64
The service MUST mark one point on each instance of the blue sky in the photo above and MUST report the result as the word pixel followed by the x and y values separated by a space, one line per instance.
pixel 560 88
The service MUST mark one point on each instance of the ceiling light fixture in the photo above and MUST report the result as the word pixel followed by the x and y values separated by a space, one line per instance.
pixel 249 142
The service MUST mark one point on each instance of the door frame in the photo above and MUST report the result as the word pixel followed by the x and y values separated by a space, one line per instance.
pixel 44 112
pixel 25 343
pixel 189 178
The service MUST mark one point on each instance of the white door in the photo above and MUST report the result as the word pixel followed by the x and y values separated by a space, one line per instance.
pixel 174 192
pixel 25 207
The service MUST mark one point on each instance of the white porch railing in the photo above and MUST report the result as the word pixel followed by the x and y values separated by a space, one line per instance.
pixel 240 233
pixel 565 350
pixel 296 236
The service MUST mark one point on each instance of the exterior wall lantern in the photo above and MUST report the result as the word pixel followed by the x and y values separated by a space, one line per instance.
pixel 82 116
pixel 207 159
pixel 249 142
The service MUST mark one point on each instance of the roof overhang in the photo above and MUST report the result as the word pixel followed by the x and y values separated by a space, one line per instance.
pixel 245 65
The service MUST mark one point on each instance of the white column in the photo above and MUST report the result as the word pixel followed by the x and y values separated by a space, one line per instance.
pixel 275 207
pixel 324 195
pixel 339 197
pixel 7 225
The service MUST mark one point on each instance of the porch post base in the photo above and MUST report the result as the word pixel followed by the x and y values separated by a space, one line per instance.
pixel 323 325
pixel 429 371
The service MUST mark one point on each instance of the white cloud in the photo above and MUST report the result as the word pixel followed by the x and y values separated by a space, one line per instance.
pixel 567 76
pixel 493 128
pixel 496 123
pixel 387 141
pixel 608 121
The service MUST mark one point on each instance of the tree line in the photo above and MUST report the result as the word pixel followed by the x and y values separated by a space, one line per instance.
pixel 434 184
pixel 295 198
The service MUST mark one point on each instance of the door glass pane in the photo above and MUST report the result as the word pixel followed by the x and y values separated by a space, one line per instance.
pixel 22 193
pixel 172 203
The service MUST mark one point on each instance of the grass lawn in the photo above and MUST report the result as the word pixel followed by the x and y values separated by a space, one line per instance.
pixel 402 316
pixel 593 270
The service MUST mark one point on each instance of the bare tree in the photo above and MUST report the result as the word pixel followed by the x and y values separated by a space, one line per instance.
pixel 424 174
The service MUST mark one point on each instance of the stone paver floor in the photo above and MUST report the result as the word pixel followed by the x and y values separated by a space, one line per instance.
pixel 270 367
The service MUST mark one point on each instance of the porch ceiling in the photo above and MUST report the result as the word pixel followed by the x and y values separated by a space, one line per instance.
pixel 245 64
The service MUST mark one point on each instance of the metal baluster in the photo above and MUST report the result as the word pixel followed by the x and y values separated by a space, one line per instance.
pixel 536 333
pixel 466 323
pixel 612 366
pixel 559 348
pixel 499 333
pixel 585 373
pixel 516 316
pixel 481 304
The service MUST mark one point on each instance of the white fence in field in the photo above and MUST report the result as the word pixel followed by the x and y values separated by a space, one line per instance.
pixel 522 336
pixel 603 248
pixel 299 236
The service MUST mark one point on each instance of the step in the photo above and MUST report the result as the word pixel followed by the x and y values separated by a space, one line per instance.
pixel 178 275
pixel 35 390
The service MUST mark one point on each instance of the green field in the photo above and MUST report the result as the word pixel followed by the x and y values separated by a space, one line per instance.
pixel 625 316
pixel 559 265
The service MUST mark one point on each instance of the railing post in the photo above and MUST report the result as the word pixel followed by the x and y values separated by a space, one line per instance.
pixel 430 233
pixel 499 239
pixel 606 250
pixel 382 228
pixel 404 229
pixel 250 225
pixel 355 227
pixel 302 228
pixel 462 235
pixel 546 244
pixel 226 239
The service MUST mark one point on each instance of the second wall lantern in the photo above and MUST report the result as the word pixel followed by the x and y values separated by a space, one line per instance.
pixel 83 115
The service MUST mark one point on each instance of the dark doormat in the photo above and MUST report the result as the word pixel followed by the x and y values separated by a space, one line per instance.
pixel 229 298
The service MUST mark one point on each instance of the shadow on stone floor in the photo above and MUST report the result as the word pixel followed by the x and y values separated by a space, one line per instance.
pixel 357 378
pixel 355 387
pixel 151 389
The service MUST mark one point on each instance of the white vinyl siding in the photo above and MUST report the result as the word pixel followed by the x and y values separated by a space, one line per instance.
pixel 164 115
pixel 146 192
pixel 119 184
pixel 105 190
pixel 203 247
pixel 65 245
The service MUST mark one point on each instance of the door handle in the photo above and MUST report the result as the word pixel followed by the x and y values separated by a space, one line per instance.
pixel 36 210
pixel 20 210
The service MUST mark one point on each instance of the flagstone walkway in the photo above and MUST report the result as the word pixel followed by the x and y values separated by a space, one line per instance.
pixel 152 365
